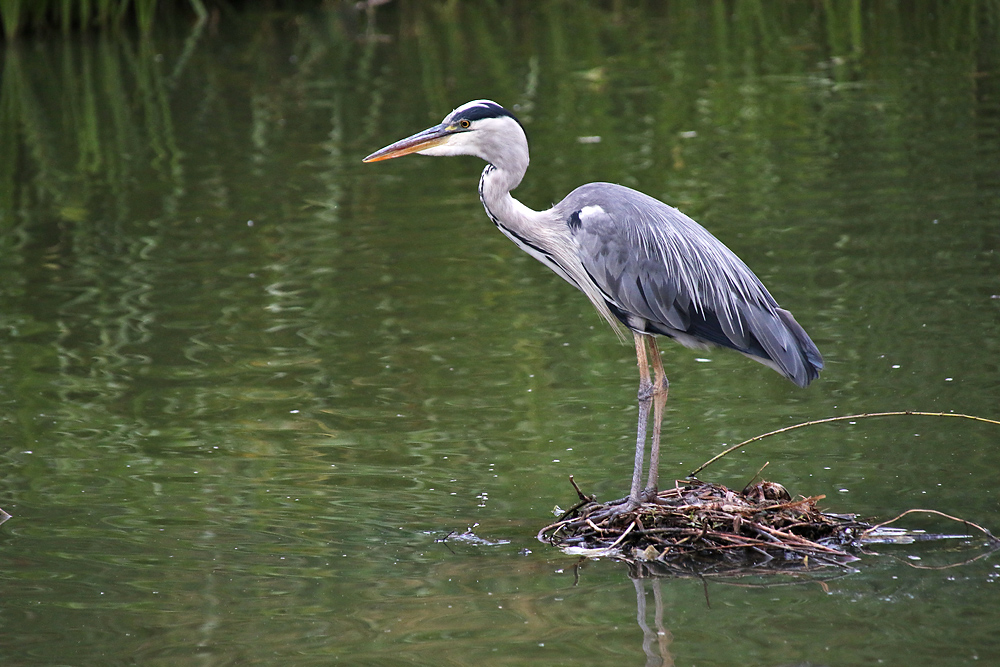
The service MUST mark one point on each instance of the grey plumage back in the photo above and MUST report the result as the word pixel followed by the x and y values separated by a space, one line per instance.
pixel 663 273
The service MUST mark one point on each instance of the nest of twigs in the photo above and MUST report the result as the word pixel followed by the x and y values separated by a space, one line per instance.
pixel 701 527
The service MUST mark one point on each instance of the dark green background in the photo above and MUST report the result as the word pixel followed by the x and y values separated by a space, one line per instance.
pixel 247 381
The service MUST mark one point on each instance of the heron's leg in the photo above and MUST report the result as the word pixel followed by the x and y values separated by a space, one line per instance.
pixel 663 635
pixel 645 396
pixel 660 389
pixel 640 616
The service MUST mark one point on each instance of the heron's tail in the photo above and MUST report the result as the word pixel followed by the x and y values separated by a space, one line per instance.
pixel 809 363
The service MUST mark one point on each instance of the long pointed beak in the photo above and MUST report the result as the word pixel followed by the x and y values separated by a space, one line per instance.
pixel 432 136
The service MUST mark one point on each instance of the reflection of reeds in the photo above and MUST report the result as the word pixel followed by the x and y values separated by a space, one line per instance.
pixel 109 107
pixel 91 162
pixel 78 119
pixel 20 15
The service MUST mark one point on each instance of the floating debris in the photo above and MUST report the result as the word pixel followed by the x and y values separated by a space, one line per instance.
pixel 471 538
pixel 705 528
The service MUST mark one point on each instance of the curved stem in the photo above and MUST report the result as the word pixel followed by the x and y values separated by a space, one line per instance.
pixel 864 415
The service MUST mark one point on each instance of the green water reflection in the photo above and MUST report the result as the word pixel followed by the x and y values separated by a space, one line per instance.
pixel 247 383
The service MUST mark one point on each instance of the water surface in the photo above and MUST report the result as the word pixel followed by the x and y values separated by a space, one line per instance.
pixel 248 384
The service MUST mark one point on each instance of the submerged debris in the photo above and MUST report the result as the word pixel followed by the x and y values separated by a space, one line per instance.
pixel 700 527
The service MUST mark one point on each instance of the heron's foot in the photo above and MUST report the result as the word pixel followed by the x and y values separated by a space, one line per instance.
pixel 614 509
pixel 649 494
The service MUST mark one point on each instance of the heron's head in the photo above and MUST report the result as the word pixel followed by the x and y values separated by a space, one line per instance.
pixel 481 128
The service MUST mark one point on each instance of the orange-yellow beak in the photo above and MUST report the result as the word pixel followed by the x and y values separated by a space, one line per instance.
pixel 432 136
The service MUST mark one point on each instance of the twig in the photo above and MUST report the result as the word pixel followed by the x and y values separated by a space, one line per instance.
pixel 988 534
pixel 583 497
pixel 827 420
pixel 622 536
pixel 756 475
pixel 798 539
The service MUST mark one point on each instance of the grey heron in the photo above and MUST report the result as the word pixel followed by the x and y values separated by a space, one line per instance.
pixel 643 264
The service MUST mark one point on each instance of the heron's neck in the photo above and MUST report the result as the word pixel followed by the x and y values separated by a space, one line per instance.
pixel 539 233
pixel 506 212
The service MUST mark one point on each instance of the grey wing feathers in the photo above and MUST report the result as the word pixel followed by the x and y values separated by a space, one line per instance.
pixel 661 272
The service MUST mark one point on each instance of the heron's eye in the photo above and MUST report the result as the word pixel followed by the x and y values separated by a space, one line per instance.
pixel 464 124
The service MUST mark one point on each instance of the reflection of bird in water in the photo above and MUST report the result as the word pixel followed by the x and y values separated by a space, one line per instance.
pixel 661 657
pixel 640 262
